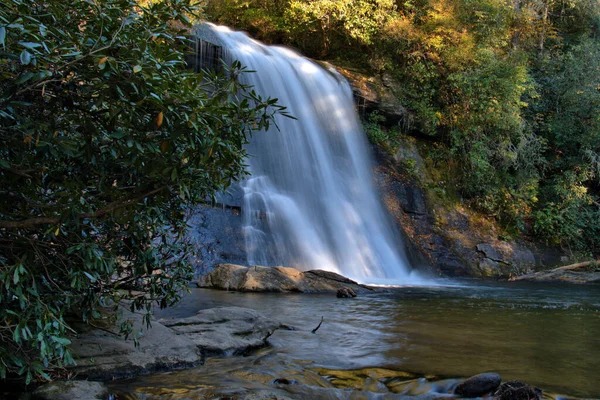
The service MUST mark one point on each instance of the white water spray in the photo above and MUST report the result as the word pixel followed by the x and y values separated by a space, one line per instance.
pixel 310 202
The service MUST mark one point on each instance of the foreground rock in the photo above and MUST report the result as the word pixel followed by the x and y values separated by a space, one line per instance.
pixel 277 279
pixel 225 330
pixel 70 390
pixel 585 272
pixel 479 385
pixel 102 355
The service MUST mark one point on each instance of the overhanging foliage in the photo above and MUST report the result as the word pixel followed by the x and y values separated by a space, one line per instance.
pixel 105 138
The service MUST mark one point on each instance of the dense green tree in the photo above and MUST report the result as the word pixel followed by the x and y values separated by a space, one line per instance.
pixel 105 139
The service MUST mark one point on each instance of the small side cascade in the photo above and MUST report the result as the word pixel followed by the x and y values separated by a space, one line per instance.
pixel 310 202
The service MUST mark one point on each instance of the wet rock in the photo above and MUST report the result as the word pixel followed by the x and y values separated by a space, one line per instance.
pixel 479 385
pixel 517 390
pixel 101 355
pixel 345 293
pixel 225 330
pixel 283 381
pixel 276 279
pixel 70 390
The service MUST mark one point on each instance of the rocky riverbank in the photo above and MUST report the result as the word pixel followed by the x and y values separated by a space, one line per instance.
pixel 104 355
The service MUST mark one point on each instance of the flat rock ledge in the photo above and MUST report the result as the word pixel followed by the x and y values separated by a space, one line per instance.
pixel 277 279
pixel 225 331
pixel 102 355
pixel 170 344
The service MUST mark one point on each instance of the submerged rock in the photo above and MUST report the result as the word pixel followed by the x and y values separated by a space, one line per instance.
pixel 479 385
pixel 225 330
pixel 277 279
pixel 70 390
pixel 517 390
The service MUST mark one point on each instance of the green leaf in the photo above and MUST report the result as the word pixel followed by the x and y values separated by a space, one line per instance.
pixel 25 57
pixel 60 340
pixel 30 45
pixel 2 36
pixel 90 277
pixel 137 69
pixel 24 78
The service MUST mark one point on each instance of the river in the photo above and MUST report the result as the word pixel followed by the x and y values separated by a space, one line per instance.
pixel 411 340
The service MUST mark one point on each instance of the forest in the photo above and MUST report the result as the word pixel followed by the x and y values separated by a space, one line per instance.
pixel 507 91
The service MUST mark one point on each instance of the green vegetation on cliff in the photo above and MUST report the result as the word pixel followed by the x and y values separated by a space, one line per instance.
pixel 508 89
pixel 105 139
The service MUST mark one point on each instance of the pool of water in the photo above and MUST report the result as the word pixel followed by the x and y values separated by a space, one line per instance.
pixel 545 335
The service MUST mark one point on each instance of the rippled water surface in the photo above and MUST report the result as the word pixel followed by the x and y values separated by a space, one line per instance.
pixel 545 335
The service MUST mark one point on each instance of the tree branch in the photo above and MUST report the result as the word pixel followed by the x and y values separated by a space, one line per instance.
pixel 31 222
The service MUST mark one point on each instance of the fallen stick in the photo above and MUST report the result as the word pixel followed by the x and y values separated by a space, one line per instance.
pixel 318 326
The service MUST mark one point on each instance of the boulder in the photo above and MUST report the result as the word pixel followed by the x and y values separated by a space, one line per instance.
pixel 517 390
pixel 70 390
pixel 478 385
pixel 225 331
pixel 277 279
pixel 102 355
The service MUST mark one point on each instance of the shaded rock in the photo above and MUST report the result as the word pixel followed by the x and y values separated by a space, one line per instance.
pixel 345 293
pixel 375 93
pixel 70 390
pixel 517 390
pixel 276 279
pixel 478 385
pixel 225 330
pixel 489 268
pixel 101 355
pixel 216 233
pixel 489 251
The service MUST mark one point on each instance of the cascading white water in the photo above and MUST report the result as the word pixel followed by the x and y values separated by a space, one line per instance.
pixel 310 202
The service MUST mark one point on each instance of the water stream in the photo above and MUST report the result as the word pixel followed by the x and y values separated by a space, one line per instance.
pixel 310 202
pixel 412 340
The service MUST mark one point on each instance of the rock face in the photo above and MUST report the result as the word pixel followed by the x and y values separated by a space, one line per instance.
pixel 479 385
pixel 276 279
pixel 103 356
pixel 451 238
pixel 375 93
pixel 70 390
pixel 225 331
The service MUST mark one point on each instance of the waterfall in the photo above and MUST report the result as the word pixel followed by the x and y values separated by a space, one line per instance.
pixel 310 202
